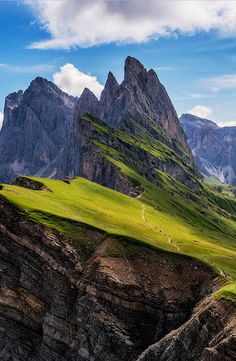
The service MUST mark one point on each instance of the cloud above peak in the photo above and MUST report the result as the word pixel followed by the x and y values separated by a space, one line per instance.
pixel 201 111
pixel 73 81
pixel 94 22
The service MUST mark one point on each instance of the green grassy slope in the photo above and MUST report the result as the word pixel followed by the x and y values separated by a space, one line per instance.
pixel 159 218
pixel 145 149
pixel 224 189
pixel 196 221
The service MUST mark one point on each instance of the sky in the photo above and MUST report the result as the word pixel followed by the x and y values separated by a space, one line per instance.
pixel 75 43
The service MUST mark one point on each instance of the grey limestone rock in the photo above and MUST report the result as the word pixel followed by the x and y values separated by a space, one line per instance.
pixel 213 147
pixel 35 130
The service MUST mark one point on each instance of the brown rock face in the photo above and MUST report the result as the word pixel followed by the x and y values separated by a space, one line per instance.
pixel 210 335
pixel 106 299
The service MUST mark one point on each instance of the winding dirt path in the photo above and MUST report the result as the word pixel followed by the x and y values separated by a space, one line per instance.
pixel 222 273
pixel 145 219
pixel 155 228
pixel 175 245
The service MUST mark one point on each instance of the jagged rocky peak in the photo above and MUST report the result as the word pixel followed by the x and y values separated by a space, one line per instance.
pixel 140 97
pixel 39 84
pixel 135 106
pixel 40 87
pixel 109 94
pixel 139 100
pixel 111 90
pixel 87 103
pixel 135 72
pixel 35 130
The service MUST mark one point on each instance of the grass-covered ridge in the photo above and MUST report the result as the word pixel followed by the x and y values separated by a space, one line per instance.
pixel 189 219
pixel 158 218
pixel 134 144
pixel 227 292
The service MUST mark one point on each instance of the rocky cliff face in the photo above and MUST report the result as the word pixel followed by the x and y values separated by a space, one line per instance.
pixel 210 335
pixel 101 146
pixel 213 147
pixel 35 130
pixel 60 300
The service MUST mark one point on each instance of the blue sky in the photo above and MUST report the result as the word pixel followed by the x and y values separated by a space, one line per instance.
pixel 194 54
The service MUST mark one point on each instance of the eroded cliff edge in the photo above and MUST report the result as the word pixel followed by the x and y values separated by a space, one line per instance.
pixel 103 298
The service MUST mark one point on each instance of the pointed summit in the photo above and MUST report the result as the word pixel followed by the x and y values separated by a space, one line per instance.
pixel 111 89
pixel 111 78
pixel 40 86
pixel 87 93
pixel 39 83
pixel 135 72
pixel 109 94
pixel 139 96
pixel 87 103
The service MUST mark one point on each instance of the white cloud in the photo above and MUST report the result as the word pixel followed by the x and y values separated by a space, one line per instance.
pixel 195 95
pixel 27 68
pixel 201 111
pixel 227 123
pixel 73 81
pixel 93 22
pixel 221 82
pixel 164 68
pixel 1 119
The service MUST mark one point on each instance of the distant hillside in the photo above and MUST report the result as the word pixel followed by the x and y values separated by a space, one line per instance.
pixel 213 147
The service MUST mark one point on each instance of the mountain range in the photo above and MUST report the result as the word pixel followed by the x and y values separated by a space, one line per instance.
pixel 112 248
pixel 43 134
pixel 213 147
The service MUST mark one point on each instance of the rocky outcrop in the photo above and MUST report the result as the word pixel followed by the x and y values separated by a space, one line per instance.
pixel 210 335
pixel 30 183
pixel 213 147
pixel 35 131
pixel 104 299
